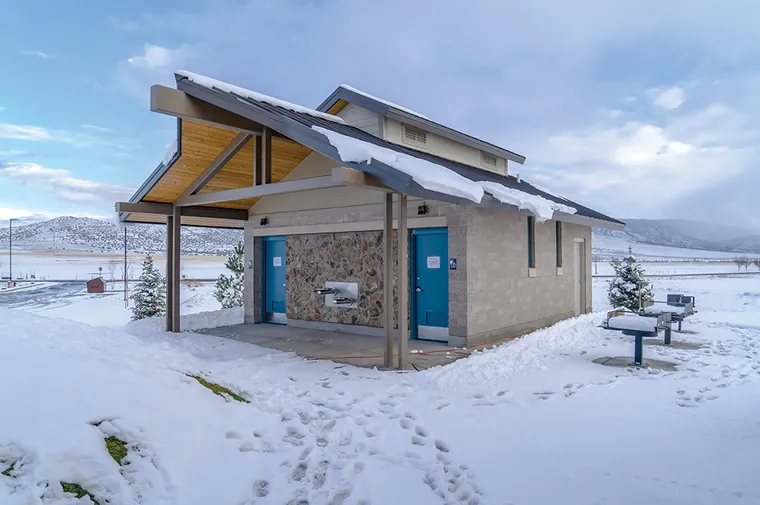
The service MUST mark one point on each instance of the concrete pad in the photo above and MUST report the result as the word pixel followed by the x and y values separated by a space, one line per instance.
pixel 627 361
pixel 674 344
pixel 357 350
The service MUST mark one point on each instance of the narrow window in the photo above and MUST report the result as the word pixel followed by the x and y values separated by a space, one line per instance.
pixel 559 243
pixel 531 242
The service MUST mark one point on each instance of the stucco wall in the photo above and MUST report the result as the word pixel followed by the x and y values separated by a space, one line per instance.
pixel 443 147
pixel 361 118
pixel 503 296
pixel 492 293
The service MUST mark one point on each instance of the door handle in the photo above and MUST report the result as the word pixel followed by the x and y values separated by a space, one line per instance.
pixel 418 289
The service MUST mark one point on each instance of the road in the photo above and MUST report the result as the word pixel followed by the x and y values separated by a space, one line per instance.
pixel 60 292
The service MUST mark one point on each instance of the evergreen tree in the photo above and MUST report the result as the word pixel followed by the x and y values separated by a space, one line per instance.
pixel 150 292
pixel 229 289
pixel 629 280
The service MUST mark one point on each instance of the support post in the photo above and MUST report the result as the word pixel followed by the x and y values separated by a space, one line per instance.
pixel 169 271
pixel 176 250
pixel 388 277
pixel 403 284
pixel 257 153
pixel 668 331
pixel 266 155
pixel 638 351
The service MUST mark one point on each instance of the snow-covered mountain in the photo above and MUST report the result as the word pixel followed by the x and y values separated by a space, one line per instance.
pixel 87 234
pixel 685 234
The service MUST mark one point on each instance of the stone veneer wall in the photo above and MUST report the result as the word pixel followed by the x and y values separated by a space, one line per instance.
pixel 312 260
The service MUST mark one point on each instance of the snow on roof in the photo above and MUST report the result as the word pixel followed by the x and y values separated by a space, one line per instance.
pixel 208 82
pixel 632 322
pixel 539 206
pixel 438 178
pixel 428 175
pixel 386 102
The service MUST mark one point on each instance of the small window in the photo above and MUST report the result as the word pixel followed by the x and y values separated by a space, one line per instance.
pixel 414 135
pixel 488 160
pixel 558 235
pixel 531 242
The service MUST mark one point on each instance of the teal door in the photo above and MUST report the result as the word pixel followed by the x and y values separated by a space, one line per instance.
pixel 430 284
pixel 274 280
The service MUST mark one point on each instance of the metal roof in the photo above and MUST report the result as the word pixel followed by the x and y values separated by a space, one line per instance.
pixel 298 126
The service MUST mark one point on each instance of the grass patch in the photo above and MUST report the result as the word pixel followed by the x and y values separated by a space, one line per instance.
pixel 116 448
pixel 78 491
pixel 7 471
pixel 219 390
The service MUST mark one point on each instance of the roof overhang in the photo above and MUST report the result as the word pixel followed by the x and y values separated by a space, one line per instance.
pixel 235 119
pixel 403 116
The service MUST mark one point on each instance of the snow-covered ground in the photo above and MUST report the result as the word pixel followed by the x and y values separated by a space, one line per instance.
pixel 71 301
pixel 71 266
pixel 679 267
pixel 607 247
pixel 530 422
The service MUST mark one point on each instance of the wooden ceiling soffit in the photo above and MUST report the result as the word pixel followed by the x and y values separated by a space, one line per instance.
pixel 229 152
pixel 239 172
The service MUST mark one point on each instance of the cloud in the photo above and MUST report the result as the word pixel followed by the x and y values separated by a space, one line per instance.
pixel 156 64
pixel 37 54
pixel 639 168
pixel 24 216
pixel 63 185
pixel 671 98
pixel 549 90
pixel 126 26
pixel 30 216
pixel 33 133
pixel 2 109
pixel 97 128
pixel 17 154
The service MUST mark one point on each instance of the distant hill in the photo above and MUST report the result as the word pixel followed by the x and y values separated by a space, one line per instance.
pixel 87 234
pixel 686 234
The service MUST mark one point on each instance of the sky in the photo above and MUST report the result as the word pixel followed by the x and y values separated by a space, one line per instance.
pixel 643 109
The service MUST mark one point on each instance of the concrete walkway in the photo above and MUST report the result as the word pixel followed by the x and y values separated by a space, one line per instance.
pixel 357 350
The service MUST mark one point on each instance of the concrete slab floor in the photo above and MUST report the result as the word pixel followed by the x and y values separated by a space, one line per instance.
pixel 627 361
pixel 357 350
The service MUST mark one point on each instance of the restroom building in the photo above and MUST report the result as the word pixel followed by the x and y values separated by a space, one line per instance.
pixel 335 200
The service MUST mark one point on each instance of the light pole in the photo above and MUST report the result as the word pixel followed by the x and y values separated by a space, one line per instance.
pixel 10 255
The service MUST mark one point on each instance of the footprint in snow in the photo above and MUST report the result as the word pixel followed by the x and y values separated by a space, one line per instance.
pixel 543 395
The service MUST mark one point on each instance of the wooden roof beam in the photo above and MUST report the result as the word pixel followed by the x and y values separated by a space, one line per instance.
pixel 217 164
pixel 166 209
pixel 176 103
pixel 341 176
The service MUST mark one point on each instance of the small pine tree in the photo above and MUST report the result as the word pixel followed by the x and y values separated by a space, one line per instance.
pixel 629 280
pixel 150 292
pixel 229 289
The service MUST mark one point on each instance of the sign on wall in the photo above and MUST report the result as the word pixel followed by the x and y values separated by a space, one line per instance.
pixel 434 262
pixel 452 263
pixel 277 261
